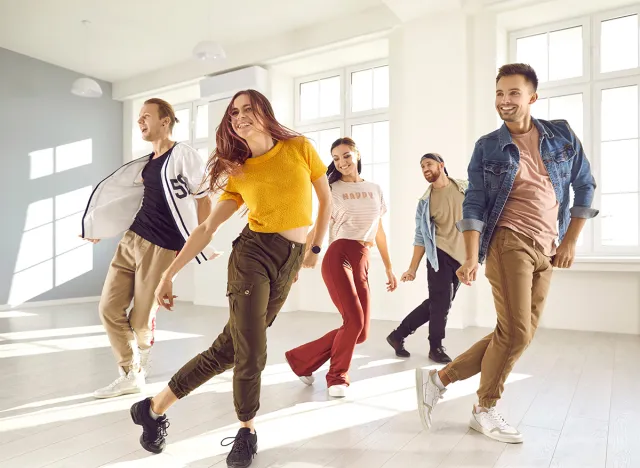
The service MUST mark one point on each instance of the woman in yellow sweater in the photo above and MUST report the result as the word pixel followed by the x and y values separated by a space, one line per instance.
pixel 259 163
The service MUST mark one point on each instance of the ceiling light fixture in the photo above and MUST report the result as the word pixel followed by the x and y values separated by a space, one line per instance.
pixel 208 50
pixel 86 87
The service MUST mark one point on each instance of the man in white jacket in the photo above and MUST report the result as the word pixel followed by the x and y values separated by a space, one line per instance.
pixel 157 200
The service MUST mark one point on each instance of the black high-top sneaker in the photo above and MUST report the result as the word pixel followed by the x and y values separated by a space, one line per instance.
pixel 397 343
pixel 439 355
pixel 154 431
pixel 245 447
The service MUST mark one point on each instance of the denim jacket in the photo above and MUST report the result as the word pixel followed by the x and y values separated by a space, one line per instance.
pixel 425 235
pixel 492 171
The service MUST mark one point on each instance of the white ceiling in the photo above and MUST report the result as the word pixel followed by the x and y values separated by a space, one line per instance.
pixel 130 37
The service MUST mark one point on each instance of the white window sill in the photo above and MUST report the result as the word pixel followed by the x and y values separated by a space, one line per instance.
pixel 605 264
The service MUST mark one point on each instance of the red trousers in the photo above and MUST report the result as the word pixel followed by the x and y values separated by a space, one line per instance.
pixel 345 271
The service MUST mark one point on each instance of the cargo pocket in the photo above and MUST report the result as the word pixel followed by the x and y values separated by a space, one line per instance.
pixel 239 294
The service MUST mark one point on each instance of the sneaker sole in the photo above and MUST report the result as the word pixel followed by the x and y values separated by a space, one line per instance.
pixel 420 398
pixel 126 392
pixel 144 445
pixel 394 348
pixel 473 424
pixel 245 465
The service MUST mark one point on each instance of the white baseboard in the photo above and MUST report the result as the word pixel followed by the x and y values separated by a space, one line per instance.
pixel 57 302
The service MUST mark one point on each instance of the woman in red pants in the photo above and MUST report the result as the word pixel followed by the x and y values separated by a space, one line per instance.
pixel 355 225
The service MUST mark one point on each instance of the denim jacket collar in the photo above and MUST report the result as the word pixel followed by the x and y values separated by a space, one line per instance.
pixel 504 135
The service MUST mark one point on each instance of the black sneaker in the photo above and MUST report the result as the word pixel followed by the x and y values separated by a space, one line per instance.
pixel 397 343
pixel 438 355
pixel 153 430
pixel 245 447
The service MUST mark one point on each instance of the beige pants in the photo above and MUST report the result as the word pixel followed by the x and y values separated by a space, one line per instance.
pixel 134 274
pixel 520 276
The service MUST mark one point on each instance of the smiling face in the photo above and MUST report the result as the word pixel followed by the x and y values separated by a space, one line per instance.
pixel 514 96
pixel 151 126
pixel 345 159
pixel 431 169
pixel 243 118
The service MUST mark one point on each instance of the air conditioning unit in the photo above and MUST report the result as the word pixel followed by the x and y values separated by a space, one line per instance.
pixel 226 84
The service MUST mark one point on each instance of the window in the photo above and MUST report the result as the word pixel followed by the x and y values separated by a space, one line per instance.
pixel 594 83
pixel 619 44
pixel 556 55
pixel 349 102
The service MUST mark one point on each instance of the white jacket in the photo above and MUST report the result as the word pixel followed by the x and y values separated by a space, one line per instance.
pixel 116 200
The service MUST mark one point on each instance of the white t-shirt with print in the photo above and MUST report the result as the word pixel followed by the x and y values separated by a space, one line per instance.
pixel 356 212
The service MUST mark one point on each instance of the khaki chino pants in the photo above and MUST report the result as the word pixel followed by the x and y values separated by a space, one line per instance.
pixel 520 275
pixel 134 274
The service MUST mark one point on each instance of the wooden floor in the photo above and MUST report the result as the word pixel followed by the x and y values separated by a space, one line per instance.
pixel 575 397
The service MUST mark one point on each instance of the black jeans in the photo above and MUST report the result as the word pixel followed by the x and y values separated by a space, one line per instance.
pixel 443 285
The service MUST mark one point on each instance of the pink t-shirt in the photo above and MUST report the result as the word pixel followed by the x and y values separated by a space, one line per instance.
pixel 532 207
pixel 357 208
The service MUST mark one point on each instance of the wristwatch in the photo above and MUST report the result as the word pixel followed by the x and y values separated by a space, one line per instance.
pixel 316 249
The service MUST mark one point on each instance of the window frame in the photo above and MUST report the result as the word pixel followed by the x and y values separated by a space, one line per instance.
pixel 298 122
pixel 596 38
pixel 591 85
pixel 598 88
pixel 346 118
pixel 349 95
pixel 583 21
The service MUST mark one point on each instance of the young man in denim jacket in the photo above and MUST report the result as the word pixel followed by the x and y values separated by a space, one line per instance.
pixel 515 210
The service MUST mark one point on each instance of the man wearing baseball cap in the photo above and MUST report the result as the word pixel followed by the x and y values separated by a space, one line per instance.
pixel 436 235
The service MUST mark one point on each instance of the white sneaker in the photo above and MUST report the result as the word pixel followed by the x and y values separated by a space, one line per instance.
pixel 428 394
pixel 492 424
pixel 145 361
pixel 123 385
pixel 307 379
pixel 338 391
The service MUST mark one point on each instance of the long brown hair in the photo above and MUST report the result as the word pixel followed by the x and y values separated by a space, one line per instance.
pixel 232 151
pixel 334 174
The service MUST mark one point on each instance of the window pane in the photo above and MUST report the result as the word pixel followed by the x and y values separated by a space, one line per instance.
pixel 204 154
pixel 202 122
pixel 362 91
pixel 309 100
pixel 326 139
pixel 330 96
pixel 620 219
pixel 569 108
pixel 619 113
pixel 367 172
pixel 619 171
pixel 540 109
pixel 181 129
pixel 381 87
pixel 534 51
pixel 381 177
pixel 565 53
pixel 619 44
pixel 362 135
pixel 381 142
